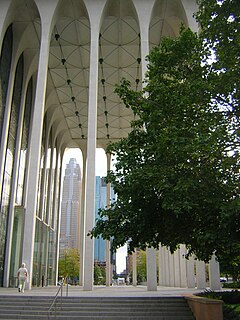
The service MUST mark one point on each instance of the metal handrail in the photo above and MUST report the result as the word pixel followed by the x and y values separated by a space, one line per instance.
pixel 54 301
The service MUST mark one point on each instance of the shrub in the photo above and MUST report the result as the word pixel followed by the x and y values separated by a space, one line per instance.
pixel 229 313
pixel 229 298
pixel 232 285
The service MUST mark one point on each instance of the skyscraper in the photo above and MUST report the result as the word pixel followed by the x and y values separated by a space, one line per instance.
pixel 70 209
pixel 101 202
pixel 100 244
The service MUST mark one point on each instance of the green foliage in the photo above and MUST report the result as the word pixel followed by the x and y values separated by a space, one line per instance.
pixel 99 275
pixel 68 264
pixel 141 267
pixel 237 308
pixel 230 260
pixel 232 285
pixel 220 32
pixel 177 172
pixel 230 312
pixel 220 27
pixel 231 301
pixel 174 179
pixel 229 297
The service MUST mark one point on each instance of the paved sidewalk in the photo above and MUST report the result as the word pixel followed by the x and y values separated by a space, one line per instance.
pixel 102 291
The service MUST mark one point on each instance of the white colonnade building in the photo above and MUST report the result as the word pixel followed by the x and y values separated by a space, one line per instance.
pixel 59 63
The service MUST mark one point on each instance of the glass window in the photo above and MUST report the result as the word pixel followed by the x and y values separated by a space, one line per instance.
pixel 9 160
pixel 5 65
pixel 24 144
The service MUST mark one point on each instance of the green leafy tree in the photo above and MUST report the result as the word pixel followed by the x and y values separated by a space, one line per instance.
pixel 177 172
pixel 68 264
pixel 230 261
pixel 141 267
pixel 99 275
pixel 220 31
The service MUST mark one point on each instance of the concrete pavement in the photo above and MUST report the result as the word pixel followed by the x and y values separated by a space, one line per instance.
pixel 103 291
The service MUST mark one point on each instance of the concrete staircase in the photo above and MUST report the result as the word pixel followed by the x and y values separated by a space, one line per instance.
pixel 94 308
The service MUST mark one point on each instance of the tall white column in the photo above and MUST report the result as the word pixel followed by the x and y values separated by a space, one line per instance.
pixel 57 207
pixel 94 8
pixel 183 266
pixel 42 208
pixel 35 142
pixel 151 270
pixel 167 267
pixel 190 272
pixel 134 269
pixel 49 186
pixel 82 221
pixel 162 274
pixel 163 263
pixel 214 274
pixel 90 165
pixel 144 10
pixel 171 269
pixel 201 274
pixel 57 187
pixel 108 253
pixel 176 258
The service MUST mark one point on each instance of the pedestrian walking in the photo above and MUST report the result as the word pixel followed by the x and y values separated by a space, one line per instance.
pixel 22 275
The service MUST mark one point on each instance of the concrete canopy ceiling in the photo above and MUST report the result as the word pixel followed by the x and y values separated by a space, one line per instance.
pixel 119 56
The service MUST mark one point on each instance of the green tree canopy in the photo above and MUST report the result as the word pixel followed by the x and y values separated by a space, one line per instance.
pixel 177 172
pixel 141 267
pixel 99 274
pixel 220 32
pixel 68 264
pixel 220 27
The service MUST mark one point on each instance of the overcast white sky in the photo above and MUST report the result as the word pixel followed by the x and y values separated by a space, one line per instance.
pixel 101 170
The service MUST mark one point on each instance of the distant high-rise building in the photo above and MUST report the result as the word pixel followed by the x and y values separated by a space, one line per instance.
pixel 70 209
pixel 101 202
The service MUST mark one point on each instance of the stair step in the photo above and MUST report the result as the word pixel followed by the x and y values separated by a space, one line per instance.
pixel 102 317
pixel 92 308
